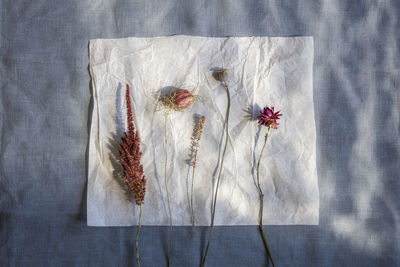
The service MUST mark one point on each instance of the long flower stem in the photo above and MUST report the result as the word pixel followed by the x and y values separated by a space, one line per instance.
pixel 137 237
pixel 262 200
pixel 166 189
pixel 220 171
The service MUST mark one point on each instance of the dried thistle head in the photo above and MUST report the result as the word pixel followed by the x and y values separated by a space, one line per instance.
pixel 131 155
pixel 178 99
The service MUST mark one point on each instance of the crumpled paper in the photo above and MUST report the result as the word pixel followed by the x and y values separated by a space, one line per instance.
pixel 261 71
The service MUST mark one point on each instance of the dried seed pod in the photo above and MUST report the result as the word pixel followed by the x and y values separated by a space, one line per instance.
pixel 179 99
pixel 220 74
pixel 182 99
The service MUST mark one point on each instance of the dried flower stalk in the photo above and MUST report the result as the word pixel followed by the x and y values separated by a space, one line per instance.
pixel 177 100
pixel 219 75
pixel 197 133
pixel 130 153
pixel 268 118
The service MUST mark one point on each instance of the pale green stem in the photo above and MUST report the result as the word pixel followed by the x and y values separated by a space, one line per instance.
pixel 262 201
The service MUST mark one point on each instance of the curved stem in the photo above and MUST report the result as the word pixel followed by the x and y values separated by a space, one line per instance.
pixel 220 171
pixel 137 237
pixel 166 189
pixel 262 201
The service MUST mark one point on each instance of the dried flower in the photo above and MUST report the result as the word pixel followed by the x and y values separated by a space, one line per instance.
pixel 130 160
pixel 133 169
pixel 178 100
pixel 220 74
pixel 131 155
pixel 183 99
pixel 197 133
pixel 269 118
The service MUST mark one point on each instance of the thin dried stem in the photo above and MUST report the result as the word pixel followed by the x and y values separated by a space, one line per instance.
pixel 191 199
pixel 269 255
pixel 137 236
pixel 220 170
pixel 166 189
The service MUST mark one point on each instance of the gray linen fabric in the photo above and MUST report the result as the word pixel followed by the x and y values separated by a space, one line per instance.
pixel 45 102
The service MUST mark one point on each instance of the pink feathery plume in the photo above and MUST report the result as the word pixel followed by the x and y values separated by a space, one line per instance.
pixel 131 156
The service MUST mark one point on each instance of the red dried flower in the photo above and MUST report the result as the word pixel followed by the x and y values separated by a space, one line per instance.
pixel 269 118
pixel 131 156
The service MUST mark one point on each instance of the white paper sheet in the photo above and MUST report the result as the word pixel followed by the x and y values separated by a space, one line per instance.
pixel 262 71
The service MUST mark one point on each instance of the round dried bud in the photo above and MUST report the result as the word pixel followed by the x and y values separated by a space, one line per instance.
pixel 182 99
pixel 220 75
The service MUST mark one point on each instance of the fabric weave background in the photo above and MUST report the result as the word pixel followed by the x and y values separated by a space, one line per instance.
pixel 45 102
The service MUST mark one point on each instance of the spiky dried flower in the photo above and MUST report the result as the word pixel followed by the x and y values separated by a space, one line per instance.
pixel 198 132
pixel 269 118
pixel 131 155
pixel 178 100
